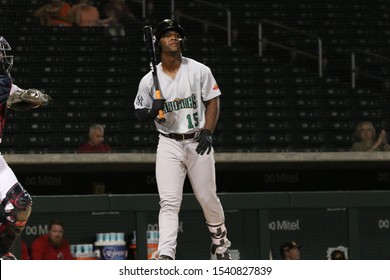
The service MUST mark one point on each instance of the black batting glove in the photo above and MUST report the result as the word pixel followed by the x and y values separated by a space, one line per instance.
pixel 158 104
pixel 205 142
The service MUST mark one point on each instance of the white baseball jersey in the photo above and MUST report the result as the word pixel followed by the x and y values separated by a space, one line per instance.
pixel 184 109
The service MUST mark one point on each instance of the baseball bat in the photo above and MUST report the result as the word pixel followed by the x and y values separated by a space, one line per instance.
pixel 149 42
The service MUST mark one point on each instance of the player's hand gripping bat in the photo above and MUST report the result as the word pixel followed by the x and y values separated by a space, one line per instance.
pixel 150 47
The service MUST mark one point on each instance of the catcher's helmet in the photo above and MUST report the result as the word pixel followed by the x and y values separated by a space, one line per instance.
pixel 6 60
pixel 169 25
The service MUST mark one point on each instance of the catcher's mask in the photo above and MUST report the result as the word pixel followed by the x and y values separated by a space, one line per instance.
pixel 169 25
pixel 6 60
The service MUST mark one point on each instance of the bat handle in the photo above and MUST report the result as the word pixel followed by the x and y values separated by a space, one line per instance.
pixel 161 116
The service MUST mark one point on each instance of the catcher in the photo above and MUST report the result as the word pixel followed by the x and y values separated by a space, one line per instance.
pixel 13 197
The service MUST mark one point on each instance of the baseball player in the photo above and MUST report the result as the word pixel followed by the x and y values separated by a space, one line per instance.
pixel 13 197
pixel 190 102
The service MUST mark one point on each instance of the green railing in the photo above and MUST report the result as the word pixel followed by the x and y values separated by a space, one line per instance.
pixel 260 205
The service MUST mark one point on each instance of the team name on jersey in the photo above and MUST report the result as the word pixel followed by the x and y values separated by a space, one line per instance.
pixel 181 103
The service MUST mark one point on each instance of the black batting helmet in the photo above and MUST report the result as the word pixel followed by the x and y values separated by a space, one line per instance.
pixel 169 25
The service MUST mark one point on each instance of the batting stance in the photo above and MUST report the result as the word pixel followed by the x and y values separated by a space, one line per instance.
pixel 190 102
pixel 13 197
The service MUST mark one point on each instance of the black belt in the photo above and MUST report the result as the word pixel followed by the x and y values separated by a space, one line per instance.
pixel 179 137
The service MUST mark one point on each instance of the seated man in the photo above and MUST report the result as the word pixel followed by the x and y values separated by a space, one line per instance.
pixel 95 142
pixel 51 246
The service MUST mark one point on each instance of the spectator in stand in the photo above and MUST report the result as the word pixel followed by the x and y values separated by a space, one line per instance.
pixel 290 251
pixel 85 14
pixel 366 141
pixel 95 142
pixel 52 246
pixel 56 13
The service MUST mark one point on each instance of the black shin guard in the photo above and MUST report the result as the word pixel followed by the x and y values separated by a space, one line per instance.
pixel 15 217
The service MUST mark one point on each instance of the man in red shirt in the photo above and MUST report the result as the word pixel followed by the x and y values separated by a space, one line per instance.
pixel 95 142
pixel 51 246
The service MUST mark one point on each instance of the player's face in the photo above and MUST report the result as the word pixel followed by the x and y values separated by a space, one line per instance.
pixel 56 234
pixel 171 41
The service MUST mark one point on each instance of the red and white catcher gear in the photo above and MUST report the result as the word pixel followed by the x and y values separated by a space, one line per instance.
pixel 17 206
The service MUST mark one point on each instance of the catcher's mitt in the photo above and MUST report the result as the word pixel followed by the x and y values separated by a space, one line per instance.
pixel 24 100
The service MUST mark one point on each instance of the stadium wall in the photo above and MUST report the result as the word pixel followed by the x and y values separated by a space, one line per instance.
pixel 133 173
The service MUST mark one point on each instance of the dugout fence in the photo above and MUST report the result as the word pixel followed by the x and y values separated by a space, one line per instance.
pixel 257 222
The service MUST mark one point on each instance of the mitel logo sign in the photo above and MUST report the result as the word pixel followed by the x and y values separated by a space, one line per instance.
pixel 284 177
pixel 284 225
